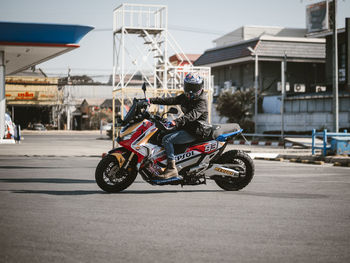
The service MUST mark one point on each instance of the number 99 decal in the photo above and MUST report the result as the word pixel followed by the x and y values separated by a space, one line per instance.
pixel 210 147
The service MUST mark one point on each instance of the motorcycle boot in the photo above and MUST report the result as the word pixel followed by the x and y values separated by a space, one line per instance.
pixel 170 171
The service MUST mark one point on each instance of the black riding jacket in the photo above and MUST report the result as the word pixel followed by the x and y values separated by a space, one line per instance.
pixel 194 110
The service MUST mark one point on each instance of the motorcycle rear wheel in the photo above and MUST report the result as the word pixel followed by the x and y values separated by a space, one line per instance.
pixel 111 178
pixel 243 163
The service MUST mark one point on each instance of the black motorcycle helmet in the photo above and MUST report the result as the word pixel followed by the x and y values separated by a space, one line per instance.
pixel 193 85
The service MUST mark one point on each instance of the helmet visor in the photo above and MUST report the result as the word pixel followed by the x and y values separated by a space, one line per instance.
pixel 192 91
pixel 192 88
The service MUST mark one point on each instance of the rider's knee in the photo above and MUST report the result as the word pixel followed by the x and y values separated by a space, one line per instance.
pixel 166 139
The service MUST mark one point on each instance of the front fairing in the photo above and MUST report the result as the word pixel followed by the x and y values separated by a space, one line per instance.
pixel 136 138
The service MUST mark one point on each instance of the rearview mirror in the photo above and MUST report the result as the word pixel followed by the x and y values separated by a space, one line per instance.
pixel 173 110
pixel 118 120
pixel 144 87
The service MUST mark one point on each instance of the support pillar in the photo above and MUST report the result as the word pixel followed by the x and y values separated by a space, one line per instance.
pixel 256 77
pixel 283 85
pixel 58 118
pixel 2 95
pixel 335 71
pixel 68 118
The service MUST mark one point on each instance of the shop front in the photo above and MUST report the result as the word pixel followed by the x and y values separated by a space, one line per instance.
pixel 33 100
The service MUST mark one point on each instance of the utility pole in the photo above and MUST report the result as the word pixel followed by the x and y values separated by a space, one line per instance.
pixel 256 93
pixel 283 88
pixel 256 84
pixel 68 112
pixel 335 70
pixel 69 82
pixel 2 94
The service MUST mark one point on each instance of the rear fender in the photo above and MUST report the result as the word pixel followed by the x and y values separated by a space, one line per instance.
pixel 227 136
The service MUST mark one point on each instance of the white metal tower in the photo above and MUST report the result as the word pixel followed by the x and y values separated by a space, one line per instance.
pixel 141 45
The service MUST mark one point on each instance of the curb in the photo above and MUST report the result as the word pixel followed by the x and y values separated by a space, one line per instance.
pixel 299 160
pixel 307 161
pixel 342 164
pixel 269 159
pixel 318 160
pixel 262 143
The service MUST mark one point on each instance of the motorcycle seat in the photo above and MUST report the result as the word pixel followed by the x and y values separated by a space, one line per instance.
pixel 180 148
pixel 217 130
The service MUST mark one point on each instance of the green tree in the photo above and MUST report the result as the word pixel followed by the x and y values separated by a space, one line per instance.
pixel 78 79
pixel 237 107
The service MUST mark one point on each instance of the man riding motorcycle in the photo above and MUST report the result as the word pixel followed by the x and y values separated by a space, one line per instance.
pixel 204 158
pixel 188 127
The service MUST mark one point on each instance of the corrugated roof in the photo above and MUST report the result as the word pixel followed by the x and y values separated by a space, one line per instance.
pixel 226 53
pixel 266 47
pixel 291 49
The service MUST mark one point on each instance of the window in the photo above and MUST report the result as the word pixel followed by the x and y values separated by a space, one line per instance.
pixel 342 63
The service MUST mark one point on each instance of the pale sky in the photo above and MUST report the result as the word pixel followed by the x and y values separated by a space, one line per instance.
pixel 194 24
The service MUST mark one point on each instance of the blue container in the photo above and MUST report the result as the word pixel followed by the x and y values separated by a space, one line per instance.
pixel 340 145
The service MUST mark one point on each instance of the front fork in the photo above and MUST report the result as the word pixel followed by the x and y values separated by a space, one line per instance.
pixel 123 162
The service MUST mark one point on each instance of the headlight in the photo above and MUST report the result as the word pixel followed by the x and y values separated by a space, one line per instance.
pixel 127 137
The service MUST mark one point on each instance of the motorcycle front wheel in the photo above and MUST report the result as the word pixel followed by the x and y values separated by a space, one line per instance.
pixel 111 178
pixel 239 161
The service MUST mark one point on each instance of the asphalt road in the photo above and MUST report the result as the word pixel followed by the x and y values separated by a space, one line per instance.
pixel 51 210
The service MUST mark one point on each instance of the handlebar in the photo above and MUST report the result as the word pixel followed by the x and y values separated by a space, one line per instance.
pixel 136 111
pixel 143 103
pixel 161 123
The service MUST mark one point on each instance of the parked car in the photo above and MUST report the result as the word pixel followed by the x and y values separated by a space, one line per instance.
pixel 107 126
pixel 37 127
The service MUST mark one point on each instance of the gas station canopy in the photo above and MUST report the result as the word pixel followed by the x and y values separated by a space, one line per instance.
pixel 23 45
pixel 29 44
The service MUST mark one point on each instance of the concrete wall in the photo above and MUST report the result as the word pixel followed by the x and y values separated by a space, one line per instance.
pixel 301 121
pixel 304 113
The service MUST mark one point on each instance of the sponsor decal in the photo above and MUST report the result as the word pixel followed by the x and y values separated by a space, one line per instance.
pixel 223 171
pixel 184 156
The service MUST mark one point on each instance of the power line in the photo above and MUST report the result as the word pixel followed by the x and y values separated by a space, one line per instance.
pixel 77 69
pixel 196 30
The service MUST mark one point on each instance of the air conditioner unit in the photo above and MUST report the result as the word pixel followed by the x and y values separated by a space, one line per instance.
pixel 320 88
pixel 299 87
pixel 279 86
